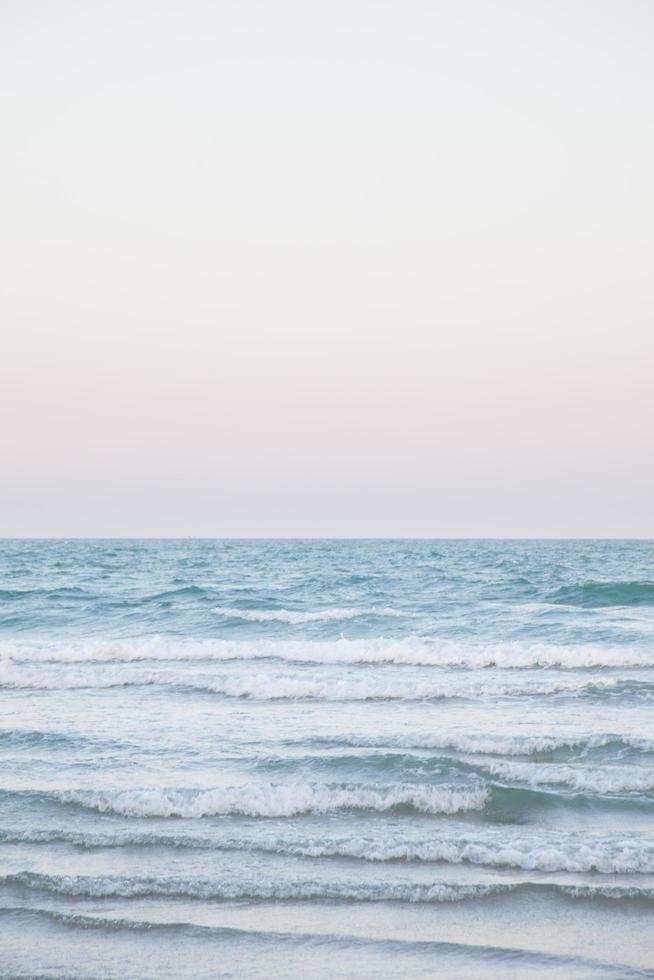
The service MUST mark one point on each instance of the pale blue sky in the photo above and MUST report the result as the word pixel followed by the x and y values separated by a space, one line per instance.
pixel 350 268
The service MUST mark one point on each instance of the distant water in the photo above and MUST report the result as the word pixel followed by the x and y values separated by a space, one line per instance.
pixel 327 759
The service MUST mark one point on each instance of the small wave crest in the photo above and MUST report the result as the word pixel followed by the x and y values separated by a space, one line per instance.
pixel 302 890
pixel 254 889
pixel 19 737
pixel 487 744
pixel 595 595
pixel 411 650
pixel 605 780
pixel 273 800
pixel 546 851
pixel 296 617
pixel 317 686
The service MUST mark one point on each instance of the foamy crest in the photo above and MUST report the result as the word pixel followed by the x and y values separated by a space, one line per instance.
pixel 544 852
pixel 603 780
pixel 21 676
pixel 295 617
pixel 410 650
pixel 492 744
pixel 284 890
pixel 265 687
pixel 305 686
pixel 270 800
pixel 117 886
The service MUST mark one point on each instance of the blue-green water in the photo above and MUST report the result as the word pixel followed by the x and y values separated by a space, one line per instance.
pixel 327 758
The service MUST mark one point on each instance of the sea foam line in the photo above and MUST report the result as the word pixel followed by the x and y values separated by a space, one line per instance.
pixel 267 686
pixel 539 851
pixel 275 800
pixel 482 743
pixel 604 780
pixel 301 889
pixel 208 888
pixel 530 853
pixel 295 617
pixel 409 650
pixel 490 744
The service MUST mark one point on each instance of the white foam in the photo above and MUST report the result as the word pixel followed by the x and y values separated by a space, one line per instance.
pixel 603 780
pixel 410 650
pixel 508 847
pixel 296 618
pixel 492 744
pixel 196 887
pixel 314 686
pixel 270 800
pixel 21 676
pixel 299 889
pixel 544 852
pixel 265 687
pixel 616 892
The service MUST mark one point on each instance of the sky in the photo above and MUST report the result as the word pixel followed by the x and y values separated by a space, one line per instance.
pixel 349 268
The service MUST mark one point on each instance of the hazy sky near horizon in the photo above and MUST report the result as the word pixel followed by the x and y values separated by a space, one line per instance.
pixel 346 268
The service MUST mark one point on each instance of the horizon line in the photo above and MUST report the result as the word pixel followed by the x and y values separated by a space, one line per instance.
pixel 321 537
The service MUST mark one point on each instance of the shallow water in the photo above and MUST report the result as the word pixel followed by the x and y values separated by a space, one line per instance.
pixel 327 758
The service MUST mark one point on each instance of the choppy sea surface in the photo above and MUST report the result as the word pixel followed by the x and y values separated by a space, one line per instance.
pixel 327 759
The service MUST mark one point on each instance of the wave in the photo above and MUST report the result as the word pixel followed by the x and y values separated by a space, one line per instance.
pixel 14 677
pixel 411 650
pixel 26 737
pixel 483 956
pixel 623 856
pixel 296 617
pixel 292 687
pixel 498 799
pixel 274 800
pixel 484 744
pixel 184 592
pixel 606 779
pixel 602 780
pixel 72 592
pixel 487 953
pixel 115 886
pixel 545 851
pixel 595 595
pixel 264 687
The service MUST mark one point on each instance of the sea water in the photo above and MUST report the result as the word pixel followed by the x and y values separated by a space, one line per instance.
pixel 327 758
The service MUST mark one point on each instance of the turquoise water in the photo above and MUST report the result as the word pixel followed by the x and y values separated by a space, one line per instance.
pixel 327 758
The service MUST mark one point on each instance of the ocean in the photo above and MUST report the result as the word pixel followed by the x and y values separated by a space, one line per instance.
pixel 327 758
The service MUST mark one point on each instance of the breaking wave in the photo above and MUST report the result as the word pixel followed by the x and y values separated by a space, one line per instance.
pixel 602 780
pixel 605 779
pixel 266 686
pixel 530 853
pixel 271 800
pixel 301 890
pixel 409 650
pixel 118 886
pixel 537 851
pixel 488 744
